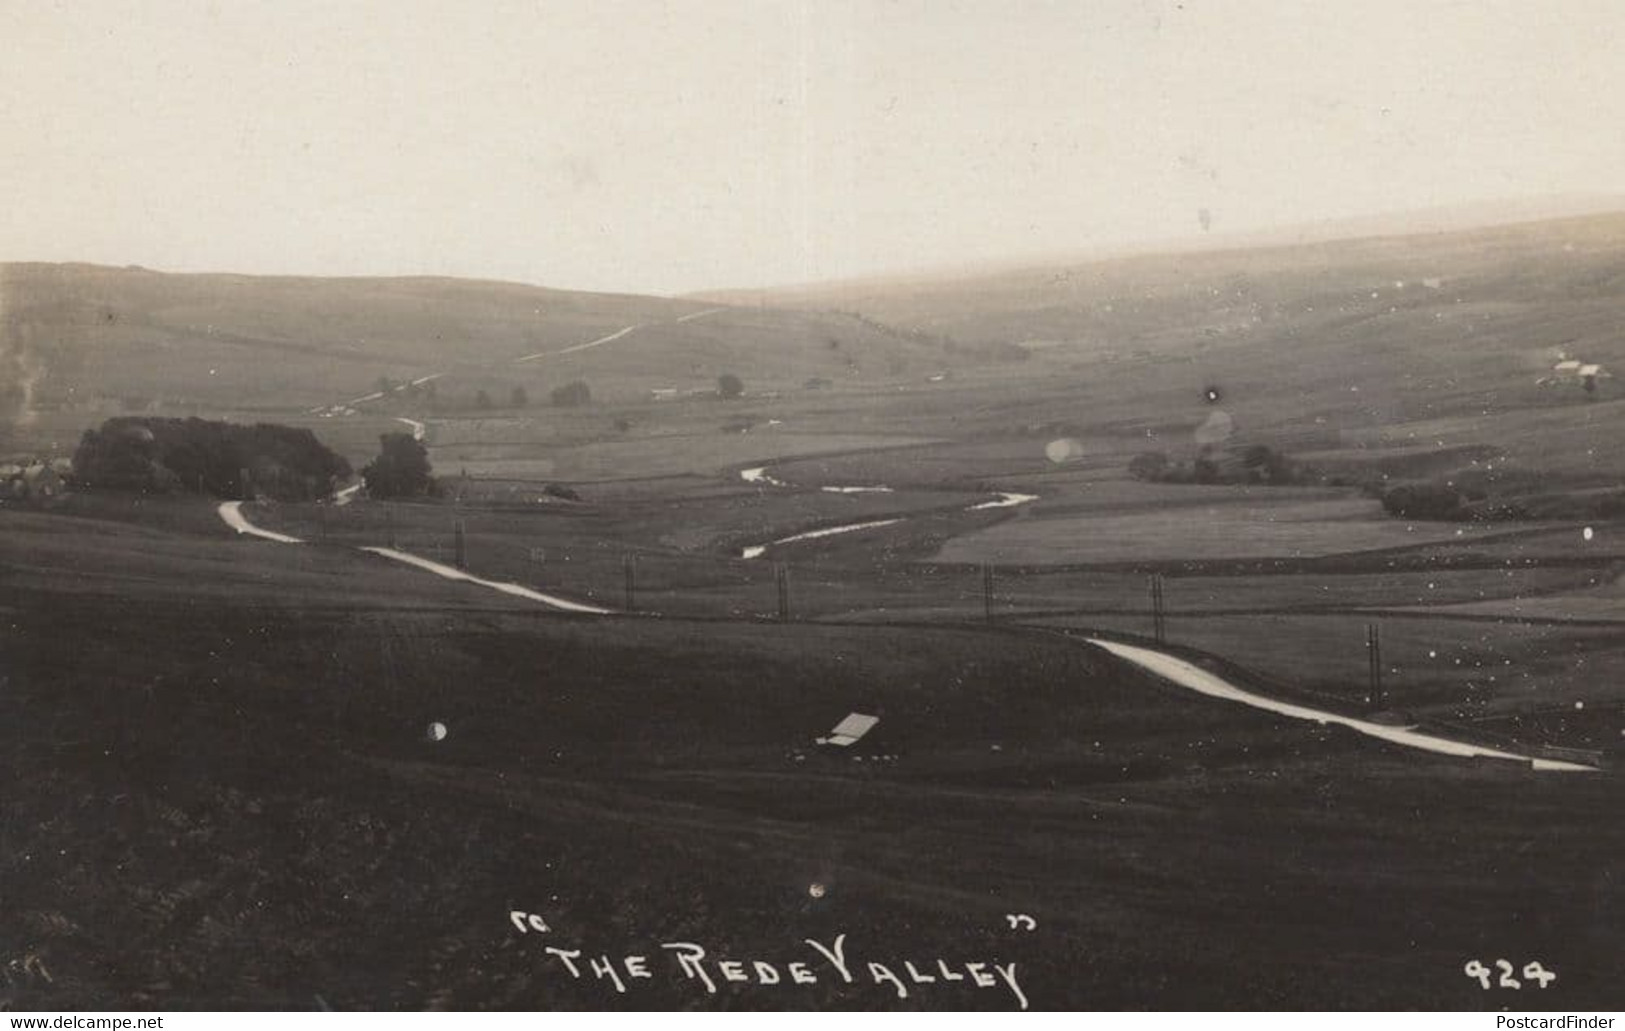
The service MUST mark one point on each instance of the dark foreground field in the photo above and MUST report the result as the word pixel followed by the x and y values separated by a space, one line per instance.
pixel 229 797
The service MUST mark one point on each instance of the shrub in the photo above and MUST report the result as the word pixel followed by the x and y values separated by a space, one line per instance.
pixel 1424 501
pixel 571 395
pixel 1266 465
pixel 1151 466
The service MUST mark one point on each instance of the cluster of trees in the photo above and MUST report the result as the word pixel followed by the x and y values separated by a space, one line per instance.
pixel 160 455
pixel 1255 463
pixel 1452 502
pixel 1463 497
pixel 571 395
pixel 518 397
pixel 1425 501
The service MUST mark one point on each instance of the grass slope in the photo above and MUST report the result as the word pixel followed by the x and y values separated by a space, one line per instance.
pixel 218 796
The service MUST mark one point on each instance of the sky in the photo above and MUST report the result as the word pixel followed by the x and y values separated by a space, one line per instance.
pixel 663 147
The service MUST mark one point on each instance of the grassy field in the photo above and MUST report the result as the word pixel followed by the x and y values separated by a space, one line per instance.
pixel 220 747
pixel 243 784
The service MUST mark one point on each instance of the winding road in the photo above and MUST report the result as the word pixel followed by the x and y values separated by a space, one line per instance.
pixel 758 475
pixel 378 395
pixel 618 334
pixel 419 429
pixel 1171 668
pixel 517 590
pixel 1189 675
pixel 231 512
pixel 580 347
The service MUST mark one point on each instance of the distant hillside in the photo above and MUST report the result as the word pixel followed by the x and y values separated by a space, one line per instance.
pixel 1347 349
pixel 1137 299
pixel 130 339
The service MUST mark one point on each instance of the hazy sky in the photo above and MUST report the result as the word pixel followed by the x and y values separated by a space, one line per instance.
pixel 664 146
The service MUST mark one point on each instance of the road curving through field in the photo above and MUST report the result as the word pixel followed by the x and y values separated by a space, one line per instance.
pixel 517 590
pixel 759 476
pixel 1193 677
pixel 231 512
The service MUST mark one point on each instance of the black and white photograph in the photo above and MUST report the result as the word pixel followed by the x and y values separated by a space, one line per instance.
pixel 812 505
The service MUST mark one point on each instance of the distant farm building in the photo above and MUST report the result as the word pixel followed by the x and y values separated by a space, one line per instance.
pixel 1573 372
pixel 36 482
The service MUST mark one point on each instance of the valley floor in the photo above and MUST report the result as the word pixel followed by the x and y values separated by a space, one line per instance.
pixel 223 748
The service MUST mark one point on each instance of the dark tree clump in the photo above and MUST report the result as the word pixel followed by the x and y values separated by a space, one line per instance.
pixel 729 386
pixel 401 469
pixel 157 455
pixel 1425 501
pixel 572 395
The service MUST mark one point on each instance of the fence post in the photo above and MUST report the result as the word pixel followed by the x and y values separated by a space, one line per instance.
pixel 629 568
pixel 460 544
pixel 781 580
pixel 1373 649
pixel 987 591
pixel 1159 619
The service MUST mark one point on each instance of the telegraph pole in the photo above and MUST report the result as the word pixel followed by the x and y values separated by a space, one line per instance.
pixel 629 569
pixel 1373 650
pixel 1159 618
pixel 781 580
pixel 987 591
pixel 460 544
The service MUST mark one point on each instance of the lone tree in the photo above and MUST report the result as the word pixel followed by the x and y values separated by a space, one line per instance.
pixel 728 385
pixel 482 399
pixel 571 395
pixel 401 469
pixel 519 398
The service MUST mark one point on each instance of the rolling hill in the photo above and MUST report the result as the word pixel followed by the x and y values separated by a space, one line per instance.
pixel 1343 348
pixel 99 339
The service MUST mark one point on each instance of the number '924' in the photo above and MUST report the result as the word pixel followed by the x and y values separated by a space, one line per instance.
pixel 1501 976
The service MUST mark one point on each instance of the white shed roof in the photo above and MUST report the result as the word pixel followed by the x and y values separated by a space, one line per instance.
pixel 850 730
